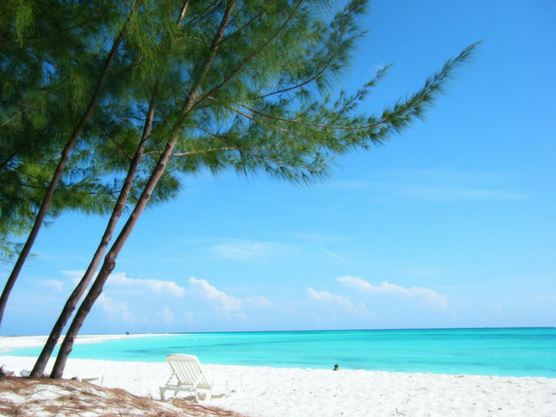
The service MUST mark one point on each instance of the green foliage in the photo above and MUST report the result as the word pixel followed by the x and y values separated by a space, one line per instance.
pixel 259 99
pixel 267 103
pixel 237 85
pixel 51 53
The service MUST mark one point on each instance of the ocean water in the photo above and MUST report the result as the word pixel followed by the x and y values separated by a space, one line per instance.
pixel 502 352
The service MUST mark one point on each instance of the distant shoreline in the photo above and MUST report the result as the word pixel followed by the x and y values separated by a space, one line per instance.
pixel 122 335
pixel 8 343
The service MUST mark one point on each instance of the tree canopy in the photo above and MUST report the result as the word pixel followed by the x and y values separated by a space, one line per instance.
pixel 180 87
pixel 51 54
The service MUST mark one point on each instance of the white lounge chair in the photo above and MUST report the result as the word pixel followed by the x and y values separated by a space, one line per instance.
pixel 186 369
pixel 98 380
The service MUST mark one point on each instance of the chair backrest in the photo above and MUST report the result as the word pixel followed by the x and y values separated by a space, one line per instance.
pixel 188 370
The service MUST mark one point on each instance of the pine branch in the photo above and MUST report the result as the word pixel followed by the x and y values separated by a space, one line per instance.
pixel 411 107
pixel 201 14
pixel 10 119
pixel 242 28
pixel 183 11
pixel 306 82
pixel 250 56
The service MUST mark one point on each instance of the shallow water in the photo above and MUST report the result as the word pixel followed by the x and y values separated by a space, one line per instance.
pixel 502 352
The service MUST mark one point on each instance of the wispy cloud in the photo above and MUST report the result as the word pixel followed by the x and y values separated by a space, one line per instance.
pixel 74 275
pixel 441 186
pixel 429 297
pixel 120 279
pixel 449 193
pixel 333 255
pixel 166 315
pixel 116 309
pixel 319 238
pixel 53 285
pixel 220 299
pixel 447 186
pixel 189 317
pixel 258 301
pixel 205 302
pixel 338 301
pixel 248 250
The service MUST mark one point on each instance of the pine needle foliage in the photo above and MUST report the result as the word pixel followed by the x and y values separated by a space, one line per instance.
pixel 248 86
pixel 268 103
pixel 51 54
pixel 243 86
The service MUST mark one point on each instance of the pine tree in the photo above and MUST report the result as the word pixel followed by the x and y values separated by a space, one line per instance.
pixel 165 191
pixel 46 103
pixel 248 86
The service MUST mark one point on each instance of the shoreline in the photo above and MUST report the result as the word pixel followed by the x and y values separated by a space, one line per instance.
pixel 296 392
pixel 10 343
pixel 7 343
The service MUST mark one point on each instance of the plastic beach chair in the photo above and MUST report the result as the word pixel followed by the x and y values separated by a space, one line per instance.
pixel 190 377
pixel 98 380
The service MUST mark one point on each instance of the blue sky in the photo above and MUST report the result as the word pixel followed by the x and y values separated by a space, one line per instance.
pixel 451 224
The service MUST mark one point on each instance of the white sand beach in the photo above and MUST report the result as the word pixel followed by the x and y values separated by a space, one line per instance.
pixel 293 392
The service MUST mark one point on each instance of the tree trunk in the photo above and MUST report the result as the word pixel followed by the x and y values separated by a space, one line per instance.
pixel 109 264
pixel 79 290
pixel 71 303
pixel 110 260
pixel 57 176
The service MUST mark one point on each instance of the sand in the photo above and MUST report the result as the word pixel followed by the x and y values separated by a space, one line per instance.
pixel 294 392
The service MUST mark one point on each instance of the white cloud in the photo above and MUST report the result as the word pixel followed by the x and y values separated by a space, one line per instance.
pixel 447 186
pixel 319 238
pixel 245 250
pixel 189 317
pixel 75 275
pixel 150 284
pixel 121 279
pixel 54 285
pixel 115 309
pixel 333 255
pixel 441 186
pixel 355 282
pixel 220 298
pixel 428 296
pixel 448 193
pixel 166 315
pixel 258 301
pixel 339 301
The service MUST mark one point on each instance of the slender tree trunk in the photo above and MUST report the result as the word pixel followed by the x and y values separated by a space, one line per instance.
pixel 79 290
pixel 58 175
pixel 71 303
pixel 108 266
pixel 110 260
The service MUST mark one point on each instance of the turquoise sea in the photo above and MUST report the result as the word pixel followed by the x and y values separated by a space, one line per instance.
pixel 502 352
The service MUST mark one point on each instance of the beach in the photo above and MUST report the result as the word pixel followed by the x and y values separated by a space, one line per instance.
pixel 294 392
